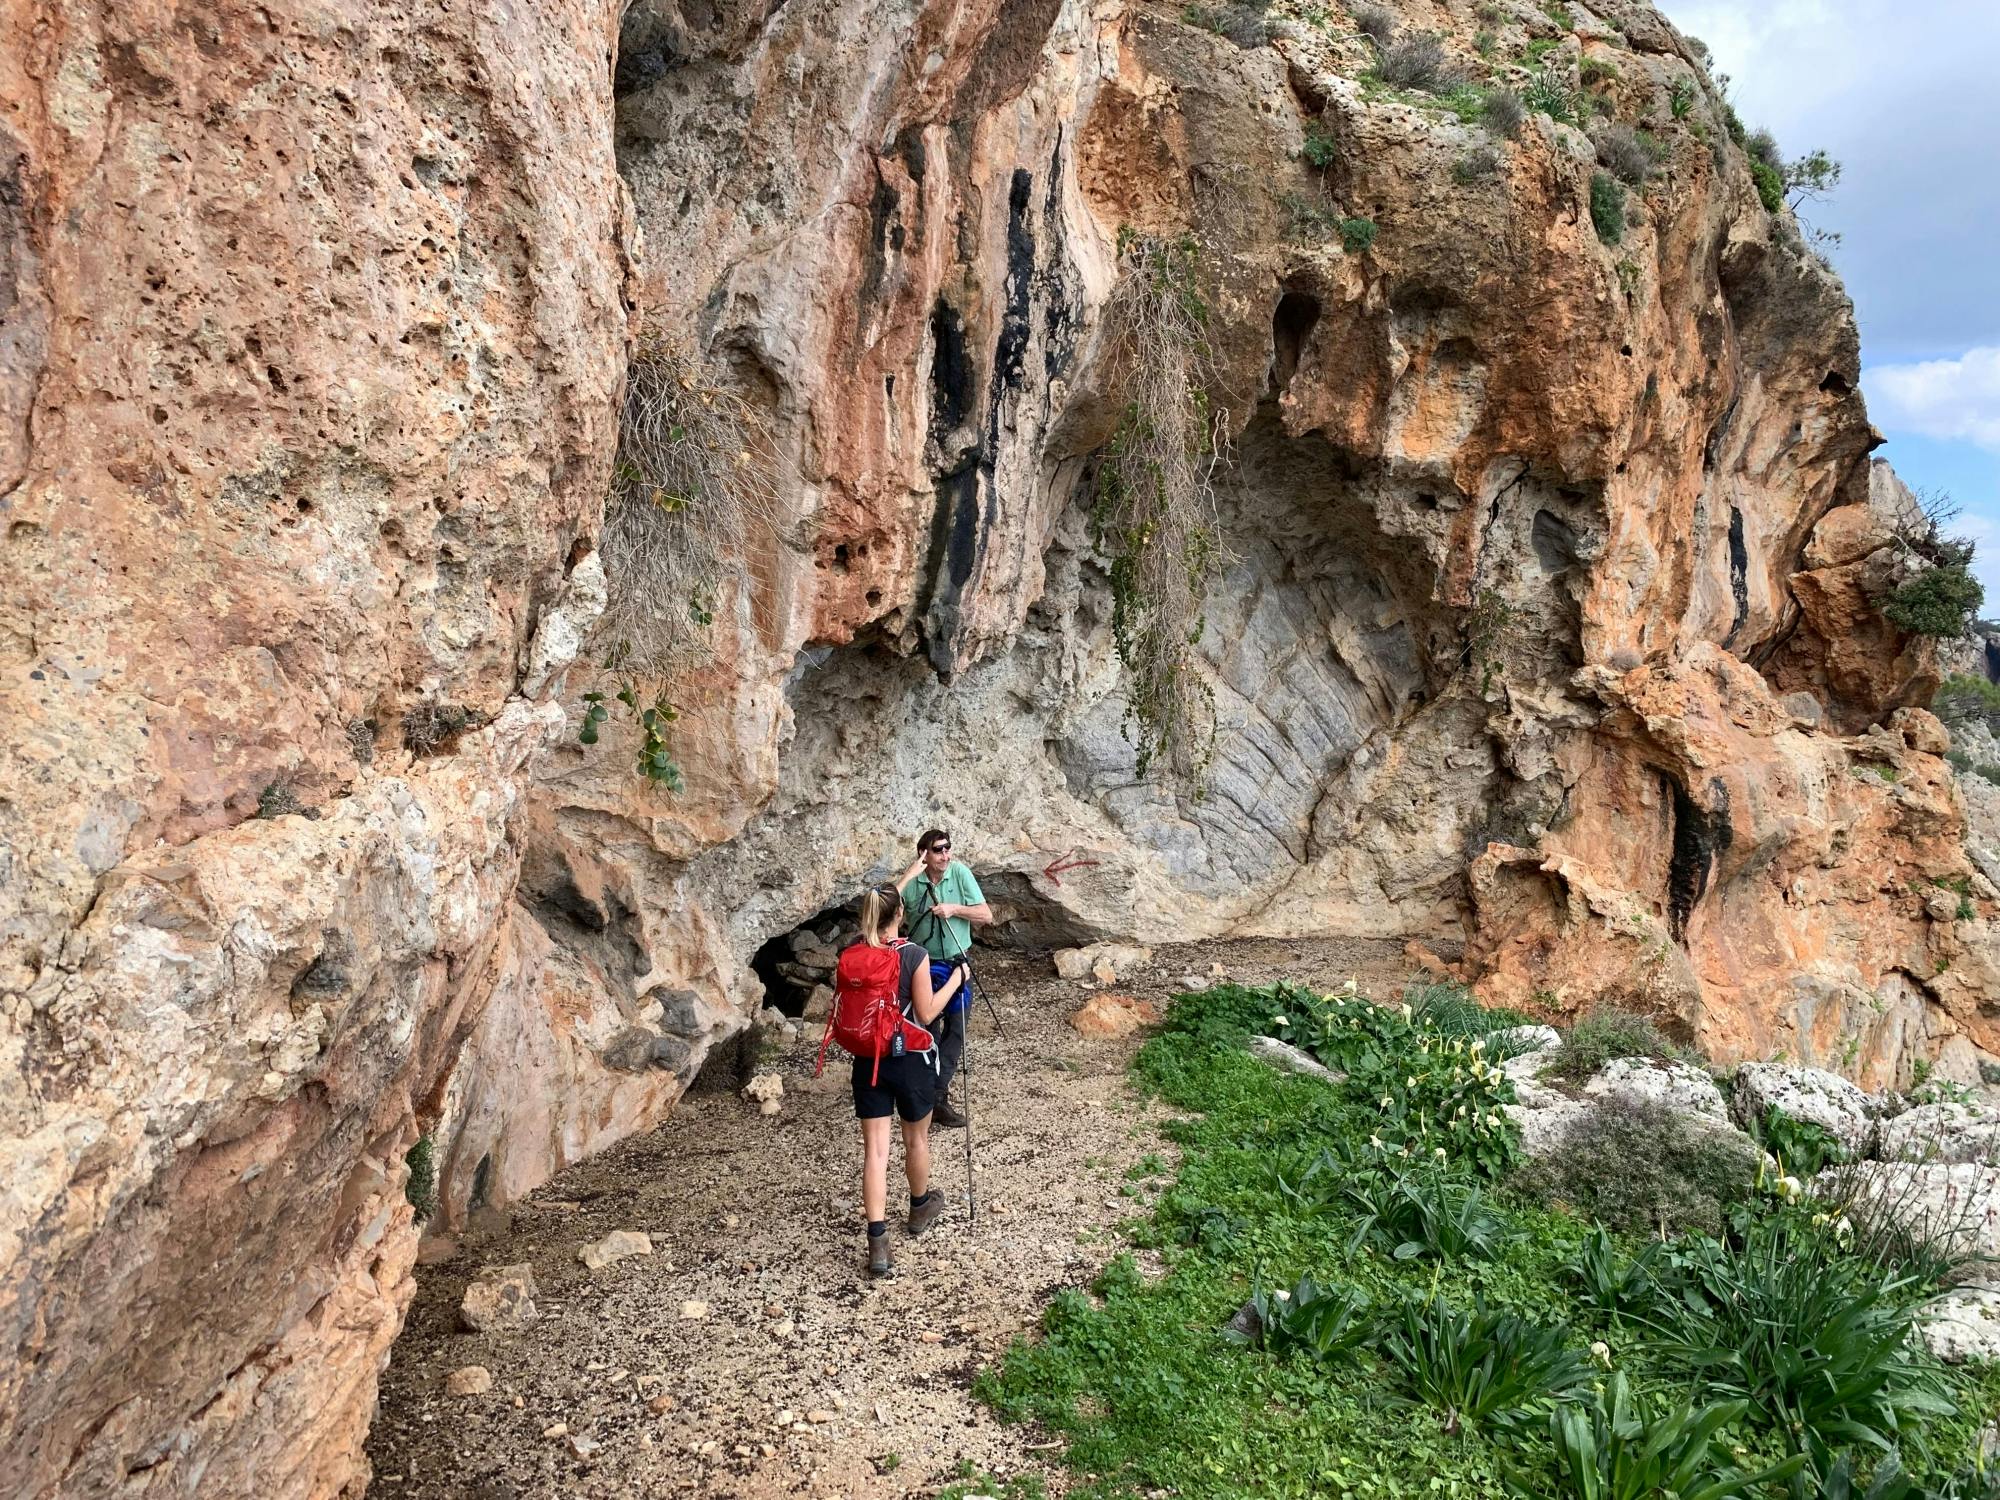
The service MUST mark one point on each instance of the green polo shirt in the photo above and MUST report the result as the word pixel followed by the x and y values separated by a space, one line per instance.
pixel 956 887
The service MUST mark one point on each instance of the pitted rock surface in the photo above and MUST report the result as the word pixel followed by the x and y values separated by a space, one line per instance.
pixel 1812 1095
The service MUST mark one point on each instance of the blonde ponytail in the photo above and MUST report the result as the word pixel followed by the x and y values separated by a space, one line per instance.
pixel 881 912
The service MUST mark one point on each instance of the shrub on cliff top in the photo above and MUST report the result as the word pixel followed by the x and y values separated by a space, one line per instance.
pixel 1376 22
pixel 1627 154
pixel 1504 112
pixel 1418 62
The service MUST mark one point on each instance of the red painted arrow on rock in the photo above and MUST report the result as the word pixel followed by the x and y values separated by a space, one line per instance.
pixel 1054 868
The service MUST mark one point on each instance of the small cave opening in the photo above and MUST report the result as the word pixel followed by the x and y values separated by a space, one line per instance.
pixel 799 961
pixel 1291 325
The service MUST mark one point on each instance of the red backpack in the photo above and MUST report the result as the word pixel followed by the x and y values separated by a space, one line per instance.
pixel 866 1017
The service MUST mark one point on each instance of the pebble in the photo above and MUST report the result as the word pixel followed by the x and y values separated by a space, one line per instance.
pixel 694 1307
pixel 661 1403
pixel 817 1416
pixel 469 1380
pixel 931 1336
pixel 783 1328
pixel 556 1430
pixel 584 1447
pixel 615 1246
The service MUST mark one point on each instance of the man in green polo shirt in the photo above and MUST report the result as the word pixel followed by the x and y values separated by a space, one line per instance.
pixel 945 904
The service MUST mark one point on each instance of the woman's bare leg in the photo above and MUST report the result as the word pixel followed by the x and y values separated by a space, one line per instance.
pixel 916 1154
pixel 875 1168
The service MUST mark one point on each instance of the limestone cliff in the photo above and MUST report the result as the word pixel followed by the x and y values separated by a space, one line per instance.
pixel 1549 627
pixel 314 318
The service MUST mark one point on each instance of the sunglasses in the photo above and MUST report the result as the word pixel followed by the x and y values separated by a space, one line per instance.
pixel 942 846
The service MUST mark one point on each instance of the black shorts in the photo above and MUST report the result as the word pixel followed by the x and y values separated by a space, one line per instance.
pixel 906 1085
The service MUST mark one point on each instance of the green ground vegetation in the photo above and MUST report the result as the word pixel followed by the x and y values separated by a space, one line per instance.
pixel 1358 1293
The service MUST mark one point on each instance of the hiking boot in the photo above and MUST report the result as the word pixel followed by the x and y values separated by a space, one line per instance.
pixel 947 1118
pixel 924 1213
pixel 879 1263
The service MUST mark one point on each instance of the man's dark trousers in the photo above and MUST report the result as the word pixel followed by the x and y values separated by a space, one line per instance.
pixel 950 1032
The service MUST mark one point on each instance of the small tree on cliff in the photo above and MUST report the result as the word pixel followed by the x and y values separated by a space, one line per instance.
pixel 1938 594
pixel 1155 518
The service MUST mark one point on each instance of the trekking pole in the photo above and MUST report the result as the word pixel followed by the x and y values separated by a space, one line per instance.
pixel 971 1193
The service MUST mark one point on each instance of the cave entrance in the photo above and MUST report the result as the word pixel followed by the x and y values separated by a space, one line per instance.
pixel 796 963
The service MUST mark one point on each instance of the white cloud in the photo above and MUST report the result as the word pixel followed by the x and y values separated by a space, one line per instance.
pixel 1940 398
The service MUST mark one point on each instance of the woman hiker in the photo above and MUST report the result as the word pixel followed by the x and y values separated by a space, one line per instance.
pixel 944 908
pixel 903 1080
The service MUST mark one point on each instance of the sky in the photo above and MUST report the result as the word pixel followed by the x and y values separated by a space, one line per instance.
pixel 1905 94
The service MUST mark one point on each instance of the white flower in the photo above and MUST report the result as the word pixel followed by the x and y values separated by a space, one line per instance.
pixel 1601 1352
pixel 1375 1141
pixel 1843 1230
pixel 1480 1045
pixel 1387 1100
pixel 1282 1296
pixel 1410 1082
pixel 1405 1011
pixel 1279 1021
pixel 1492 1120
pixel 1438 1152
pixel 1792 1188
pixel 1349 988
pixel 1459 1113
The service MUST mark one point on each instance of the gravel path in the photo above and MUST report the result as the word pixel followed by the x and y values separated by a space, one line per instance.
pixel 748 1356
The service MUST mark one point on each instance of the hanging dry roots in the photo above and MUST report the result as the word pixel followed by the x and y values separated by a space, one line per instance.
pixel 693 501
pixel 1155 516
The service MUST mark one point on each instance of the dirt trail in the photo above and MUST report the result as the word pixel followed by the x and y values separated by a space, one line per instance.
pixel 803 1378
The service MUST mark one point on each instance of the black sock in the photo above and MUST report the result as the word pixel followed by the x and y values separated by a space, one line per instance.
pixel 918 1200
pixel 877 1228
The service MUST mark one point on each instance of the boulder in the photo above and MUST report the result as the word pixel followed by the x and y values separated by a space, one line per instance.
pixel 1524 1071
pixel 1921 730
pixel 1963 1326
pixel 1677 1085
pixel 1956 1203
pixel 819 1004
pixel 1107 962
pixel 767 1092
pixel 1109 1015
pixel 1943 1133
pixel 1289 1059
pixel 616 1245
pixel 1809 1094
pixel 1522 1041
pixel 500 1299
pixel 1544 1128
pixel 1072 963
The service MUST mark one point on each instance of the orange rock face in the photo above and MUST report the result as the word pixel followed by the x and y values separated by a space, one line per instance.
pixel 311 327
pixel 1549 623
